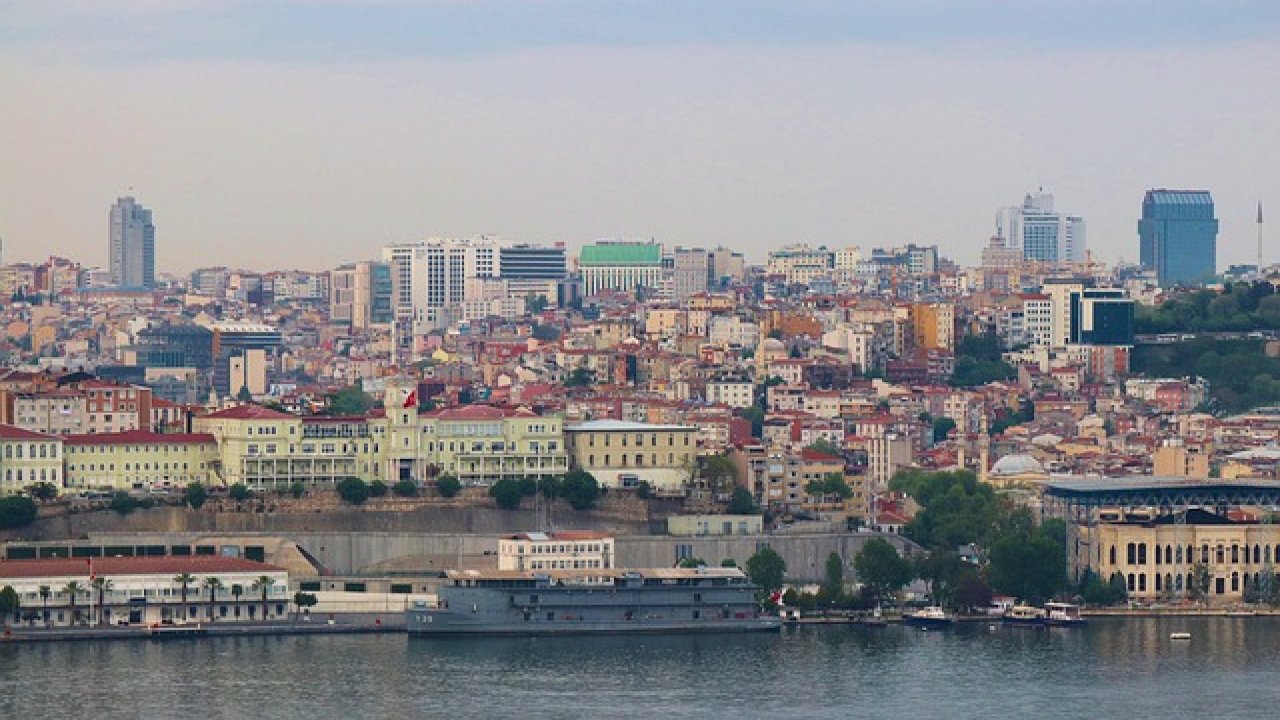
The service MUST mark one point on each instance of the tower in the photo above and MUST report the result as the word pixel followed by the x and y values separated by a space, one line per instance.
pixel 1178 236
pixel 1260 275
pixel 984 446
pixel 131 239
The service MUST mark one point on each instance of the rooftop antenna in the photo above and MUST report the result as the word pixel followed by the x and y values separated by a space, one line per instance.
pixel 1259 239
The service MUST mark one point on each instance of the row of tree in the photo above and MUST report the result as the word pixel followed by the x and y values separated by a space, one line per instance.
pixel 578 488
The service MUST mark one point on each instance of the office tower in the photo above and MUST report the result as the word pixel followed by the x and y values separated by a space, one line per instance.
pixel 1178 236
pixel 1041 233
pixel 132 239
pixel 532 262
pixel 360 294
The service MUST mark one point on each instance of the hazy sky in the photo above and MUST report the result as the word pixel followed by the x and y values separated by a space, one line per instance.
pixel 302 134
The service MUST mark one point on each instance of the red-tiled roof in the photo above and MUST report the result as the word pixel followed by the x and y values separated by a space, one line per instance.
pixel 140 437
pixel 249 412
pixel 72 567
pixel 11 432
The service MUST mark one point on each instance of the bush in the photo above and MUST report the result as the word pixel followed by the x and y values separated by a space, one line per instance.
pixel 448 485
pixel 195 496
pixel 353 490
pixel 378 489
pixel 15 512
pixel 644 490
pixel 405 488
pixel 124 503
pixel 580 489
pixel 742 503
pixel 239 492
pixel 297 490
pixel 507 493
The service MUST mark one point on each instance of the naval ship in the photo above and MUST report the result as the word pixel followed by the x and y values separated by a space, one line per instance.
pixel 605 601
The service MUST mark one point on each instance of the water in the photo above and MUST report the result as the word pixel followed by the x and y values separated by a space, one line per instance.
pixel 1113 668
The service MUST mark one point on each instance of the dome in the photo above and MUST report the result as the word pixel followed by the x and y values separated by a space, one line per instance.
pixel 1017 464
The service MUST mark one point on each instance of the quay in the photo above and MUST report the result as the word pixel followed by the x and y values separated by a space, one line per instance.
pixel 350 624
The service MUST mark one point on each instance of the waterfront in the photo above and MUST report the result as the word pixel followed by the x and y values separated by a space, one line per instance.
pixel 1113 668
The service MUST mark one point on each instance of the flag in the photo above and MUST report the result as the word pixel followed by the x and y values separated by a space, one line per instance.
pixel 89 561
pixel 412 399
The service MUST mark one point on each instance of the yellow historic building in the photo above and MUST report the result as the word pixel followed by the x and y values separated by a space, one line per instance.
pixel 28 457
pixel 1159 557
pixel 139 459
pixel 622 454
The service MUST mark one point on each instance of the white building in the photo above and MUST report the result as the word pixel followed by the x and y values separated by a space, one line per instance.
pixel 734 392
pixel 1040 232
pixel 566 550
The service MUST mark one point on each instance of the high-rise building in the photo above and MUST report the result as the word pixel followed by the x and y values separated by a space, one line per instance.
pixel 1041 233
pixel 620 265
pixel 360 294
pixel 532 262
pixel 1178 236
pixel 132 240
pixel 691 272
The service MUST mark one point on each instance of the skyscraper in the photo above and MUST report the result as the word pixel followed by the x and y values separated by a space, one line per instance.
pixel 132 239
pixel 1041 233
pixel 1178 236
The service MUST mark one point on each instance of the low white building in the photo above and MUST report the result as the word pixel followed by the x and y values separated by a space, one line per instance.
pixel 567 550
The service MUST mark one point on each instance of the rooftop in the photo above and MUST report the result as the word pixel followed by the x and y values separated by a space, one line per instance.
pixel 104 566
pixel 621 254
pixel 623 426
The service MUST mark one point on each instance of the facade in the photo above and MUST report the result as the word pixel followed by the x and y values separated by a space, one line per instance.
pixel 934 325
pixel 143 590
pixel 691 273
pixel 1042 234
pixel 800 264
pixel 621 266
pixel 360 295
pixel 1158 558
pixel 429 279
pixel 27 458
pixel 734 392
pixel 139 459
pixel 715 525
pixel 568 550
pixel 131 245
pixel 622 454
pixel 1103 316
pixel 532 262
pixel 1178 236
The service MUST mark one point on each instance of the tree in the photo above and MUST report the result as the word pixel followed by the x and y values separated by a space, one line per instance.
pixel 349 401
pixel 830 484
pixel 353 490
pixel 1099 592
pixel 45 593
pixel 942 427
pixel 102 586
pixel 239 492
pixel 767 570
pixel 826 447
pixel 448 485
pixel 1030 566
pixel 971 592
pixel 378 489
pixel 43 491
pixel 303 600
pixel 195 495
pixel 881 568
pixel 73 590
pixel 729 563
pixel 183 581
pixel 244 396
pixel 581 376
pixel 755 415
pixel 580 489
pixel 741 502
pixel 213 585
pixel 644 490
pixel 507 493
pixel 942 570
pixel 833 577
pixel 236 591
pixel 123 503
pixel 297 490
pixel 9 602
pixel 957 508
pixel 692 562
pixel 534 304
pixel 1200 580
pixel 17 511
pixel 405 488
pixel 719 472
pixel 263 585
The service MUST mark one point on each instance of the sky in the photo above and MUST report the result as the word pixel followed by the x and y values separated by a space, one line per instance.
pixel 302 134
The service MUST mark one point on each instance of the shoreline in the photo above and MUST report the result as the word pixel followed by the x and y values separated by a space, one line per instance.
pixel 361 626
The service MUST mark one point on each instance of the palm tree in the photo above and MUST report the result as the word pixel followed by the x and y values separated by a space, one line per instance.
pixel 183 580
pixel 236 591
pixel 45 593
pixel 264 583
pixel 72 589
pixel 213 585
pixel 102 585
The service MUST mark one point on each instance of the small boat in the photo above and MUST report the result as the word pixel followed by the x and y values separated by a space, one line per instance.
pixel 932 616
pixel 790 616
pixel 1024 615
pixel 1063 615
pixel 1180 636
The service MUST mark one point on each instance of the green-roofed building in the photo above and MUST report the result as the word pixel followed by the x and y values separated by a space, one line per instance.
pixel 620 266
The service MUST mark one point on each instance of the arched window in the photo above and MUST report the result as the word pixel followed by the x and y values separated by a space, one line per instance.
pixel 1113 554
pixel 1168 583
pixel 1179 555
pixel 1142 582
pixel 1266 553
pixel 1142 553
pixel 1190 582
pixel 1168 554
pixel 1220 554
pixel 1178 582
pixel 1131 554
pixel 1235 582
pixel 1158 585
pixel 1204 553
pixel 1159 554
pixel 1132 583
pixel 1257 553
pixel 1235 554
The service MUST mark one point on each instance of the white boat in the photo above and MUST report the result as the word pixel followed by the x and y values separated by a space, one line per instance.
pixel 1063 615
pixel 932 616
pixel 1180 636
pixel 1024 615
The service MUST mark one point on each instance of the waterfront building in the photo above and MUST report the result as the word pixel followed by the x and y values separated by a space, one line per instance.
pixel 132 245
pixel 1041 233
pixel 1178 236
pixel 622 454
pixel 481 444
pixel 715 525
pixel 27 458
pixel 140 459
pixel 146 590
pixel 621 266
pixel 564 550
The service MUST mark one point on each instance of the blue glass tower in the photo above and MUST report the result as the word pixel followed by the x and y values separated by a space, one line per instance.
pixel 1178 236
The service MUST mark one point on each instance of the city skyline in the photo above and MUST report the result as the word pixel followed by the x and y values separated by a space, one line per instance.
pixel 871 125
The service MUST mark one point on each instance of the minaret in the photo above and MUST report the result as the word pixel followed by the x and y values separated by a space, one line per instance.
pixel 984 447
pixel 1260 240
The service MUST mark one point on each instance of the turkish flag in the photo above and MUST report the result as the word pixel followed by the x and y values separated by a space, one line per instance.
pixel 412 399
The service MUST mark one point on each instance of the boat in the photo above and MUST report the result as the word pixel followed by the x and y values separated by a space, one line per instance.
pixel 1180 636
pixel 1063 615
pixel 932 616
pixel 1024 615
pixel 596 601
pixel 160 632
pixel 790 616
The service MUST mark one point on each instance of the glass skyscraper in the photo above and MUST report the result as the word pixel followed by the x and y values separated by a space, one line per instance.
pixel 132 239
pixel 1178 236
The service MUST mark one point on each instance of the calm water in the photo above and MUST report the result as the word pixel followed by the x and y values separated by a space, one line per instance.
pixel 1121 669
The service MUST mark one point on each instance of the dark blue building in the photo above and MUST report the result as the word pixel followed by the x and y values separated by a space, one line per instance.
pixel 1178 236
